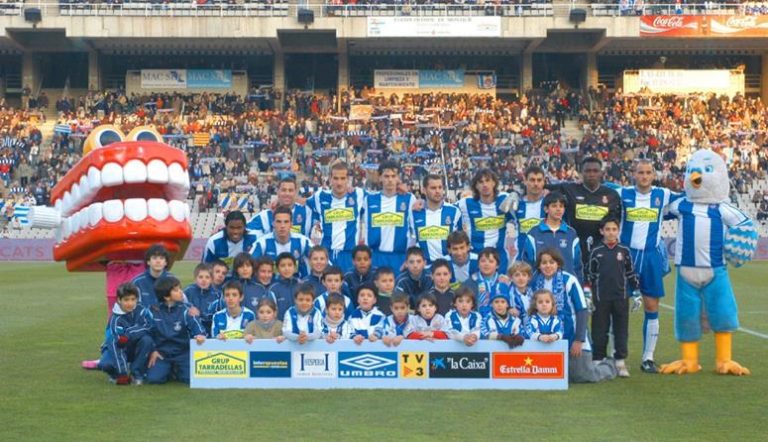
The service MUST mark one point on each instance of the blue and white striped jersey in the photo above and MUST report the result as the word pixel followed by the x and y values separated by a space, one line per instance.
pixel 261 223
pixel 321 300
pixel 365 323
pixel 390 327
pixel 223 322
pixel 294 323
pixel 388 221
pixel 461 326
pixel 544 325
pixel 701 231
pixel 338 217
pixel 492 326
pixel 298 246
pixel 643 215
pixel 486 224
pixel 529 214
pixel 220 247
pixel 342 329
pixel 432 227
pixel 569 298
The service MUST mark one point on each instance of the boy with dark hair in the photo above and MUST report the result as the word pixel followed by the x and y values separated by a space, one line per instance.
pixel 414 282
pixel 610 272
pixel 385 283
pixel 318 262
pixel 462 260
pixel 173 327
pixel 283 290
pixel 203 295
pixel 554 233
pixel 332 283
pixel 230 321
pixel 441 289
pixel 362 272
pixel 156 259
pixel 303 322
pixel 219 272
pixel 127 339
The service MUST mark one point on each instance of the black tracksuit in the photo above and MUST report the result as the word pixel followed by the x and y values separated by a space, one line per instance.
pixel 585 210
pixel 611 274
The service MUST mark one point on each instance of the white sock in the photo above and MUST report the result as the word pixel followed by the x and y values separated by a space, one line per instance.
pixel 651 336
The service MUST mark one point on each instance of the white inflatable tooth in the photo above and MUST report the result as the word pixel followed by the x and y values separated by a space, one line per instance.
pixel 77 199
pixel 135 171
pixel 95 213
pixel 66 205
pixel 111 175
pixel 177 210
pixel 59 234
pixel 66 228
pixel 94 179
pixel 136 209
pixel 157 172
pixel 158 209
pixel 57 205
pixel 85 189
pixel 113 210
pixel 176 174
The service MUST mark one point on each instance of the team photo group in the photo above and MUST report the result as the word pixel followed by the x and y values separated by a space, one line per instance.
pixel 563 261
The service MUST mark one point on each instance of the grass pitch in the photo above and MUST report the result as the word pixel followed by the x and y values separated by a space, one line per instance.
pixel 50 320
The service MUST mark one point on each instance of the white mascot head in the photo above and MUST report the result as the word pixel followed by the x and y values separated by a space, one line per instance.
pixel 706 178
pixel 706 182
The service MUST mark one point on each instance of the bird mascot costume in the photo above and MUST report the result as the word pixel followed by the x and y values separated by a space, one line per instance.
pixel 710 233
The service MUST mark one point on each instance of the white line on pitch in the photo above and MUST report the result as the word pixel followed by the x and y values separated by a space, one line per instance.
pixel 741 329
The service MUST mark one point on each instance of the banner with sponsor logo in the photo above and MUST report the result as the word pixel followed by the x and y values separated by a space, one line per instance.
pixel 186 78
pixel 430 27
pixel 449 365
pixel 395 79
pixel 442 79
pixel 684 81
pixel 727 26
pixel 209 78
pixel 163 78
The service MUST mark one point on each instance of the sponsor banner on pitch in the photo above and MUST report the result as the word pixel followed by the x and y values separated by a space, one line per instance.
pixel 450 365
pixel 721 26
pixel 430 27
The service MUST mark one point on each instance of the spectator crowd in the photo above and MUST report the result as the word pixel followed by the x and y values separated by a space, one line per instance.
pixel 240 146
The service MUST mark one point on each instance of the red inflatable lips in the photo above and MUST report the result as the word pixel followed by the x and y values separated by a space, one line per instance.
pixel 120 199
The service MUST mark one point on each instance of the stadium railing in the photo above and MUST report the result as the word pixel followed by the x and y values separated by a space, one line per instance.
pixel 282 8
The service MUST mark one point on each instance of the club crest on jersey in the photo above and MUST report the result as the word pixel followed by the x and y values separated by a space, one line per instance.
pixel 448 220
pixel 351 201
pixel 296 254
pixel 563 243
pixel 620 256
pixel 657 201
pixel 605 199
pixel 402 207
pixel 254 302
pixel 177 326
pixel 299 218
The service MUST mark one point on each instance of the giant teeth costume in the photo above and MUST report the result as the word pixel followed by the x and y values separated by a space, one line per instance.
pixel 710 233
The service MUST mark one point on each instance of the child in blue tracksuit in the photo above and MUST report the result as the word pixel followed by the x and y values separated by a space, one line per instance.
pixel 414 281
pixel 127 338
pixel 318 262
pixel 284 288
pixel 203 295
pixel 244 271
pixel 362 271
pixel 156 259
pixel 171 331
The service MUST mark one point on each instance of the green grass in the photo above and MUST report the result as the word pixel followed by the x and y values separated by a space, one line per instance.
pixel 50 320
